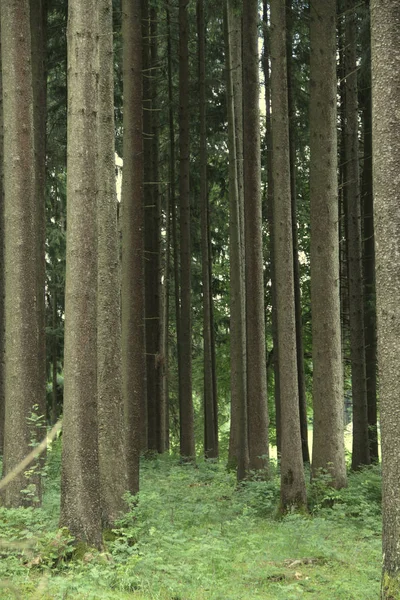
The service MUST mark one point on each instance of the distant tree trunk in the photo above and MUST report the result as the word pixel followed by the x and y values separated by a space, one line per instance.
pixel 187 442
pixel 80 475
pixel 38 17
pixel 171 169
pixel 360 454
pixel 293 491
pixel 133 323
pixel 210 439
pixel 164 342
pixel 296 266
pixel 2 270
pixel 385 23
pixel 257 410
pixel 22 357
pixel 238 444
pixel 152 222
pixel 270 220
pixel 369 255
pixel 54 358
pixel 113 478
pixel 328 440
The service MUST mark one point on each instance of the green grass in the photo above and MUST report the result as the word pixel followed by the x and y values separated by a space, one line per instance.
pixel 194 536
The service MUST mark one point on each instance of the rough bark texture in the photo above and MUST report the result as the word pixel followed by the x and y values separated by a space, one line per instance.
pixel 112 461
pixel 296 265
pixel 328 443
pixel 22 370
pixel 369 250
pixel 2 270
pixel 257 410
pixel 133 324
pixel 238 443
pixel 210 437
pixel 187 446
pixel 385 28
pixel 293 492
pixel 270 220
pixel 360 454
pixel 80 476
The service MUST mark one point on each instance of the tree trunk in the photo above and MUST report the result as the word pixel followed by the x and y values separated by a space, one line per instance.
pixel 238 444
pixel 22 357
pixel 293 491
pixel 328 440
pixel 360 454
pixel 257 410
pixel 133 324
pixel 54 358
pixel 270 220
pixel 80 476
pixel 369 254
pixel 2 267
pixel 296 266
pixel 385 26
pixel 187 443
pixel 112 461
pixel 210 439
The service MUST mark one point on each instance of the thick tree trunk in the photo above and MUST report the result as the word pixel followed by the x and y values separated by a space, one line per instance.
pixel 187 442
pixel 22 355
pixel 238 443
pixel 296 265
pixel 257 410
pixel 270 220
pixel 80 475
pixel 113 478
pixel 293 491
pixel 133 323
pixel 385 28
pixel 210 438
pixel 360 454
pixel 328 441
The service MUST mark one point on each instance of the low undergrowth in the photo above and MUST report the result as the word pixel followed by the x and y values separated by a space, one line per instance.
pixel 195 535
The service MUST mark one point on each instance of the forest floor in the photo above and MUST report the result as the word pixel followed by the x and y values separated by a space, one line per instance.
pixel 194 535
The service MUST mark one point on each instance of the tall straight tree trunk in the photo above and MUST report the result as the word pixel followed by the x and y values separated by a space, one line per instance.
pixel 54 358
pixel 296 265
pixel 385 27
pixel 270 220
pixel 175 248
pixel 187 443
pixel 257 411
pixel 369 280
pixel 210 439
pixel 152 221
pixel 38 17
pixel 164 342
pixel 80 475
pixel 293 491
pixel 360 454
pixel 133 324
pixel 238 444
pixel 328 440
pixel 2 269
pixel 22 362
pixel 113 480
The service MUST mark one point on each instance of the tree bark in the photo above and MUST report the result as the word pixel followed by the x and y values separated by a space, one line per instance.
pixel 80 475
pixel 113 477
pixel 2 266
pixel 257 410
pixel 293 491
pixel 22 357
pixel 210 437
pixel 238 443
pixel 133 309
pixel 385 27
pixel 328 440
pixel 187 442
